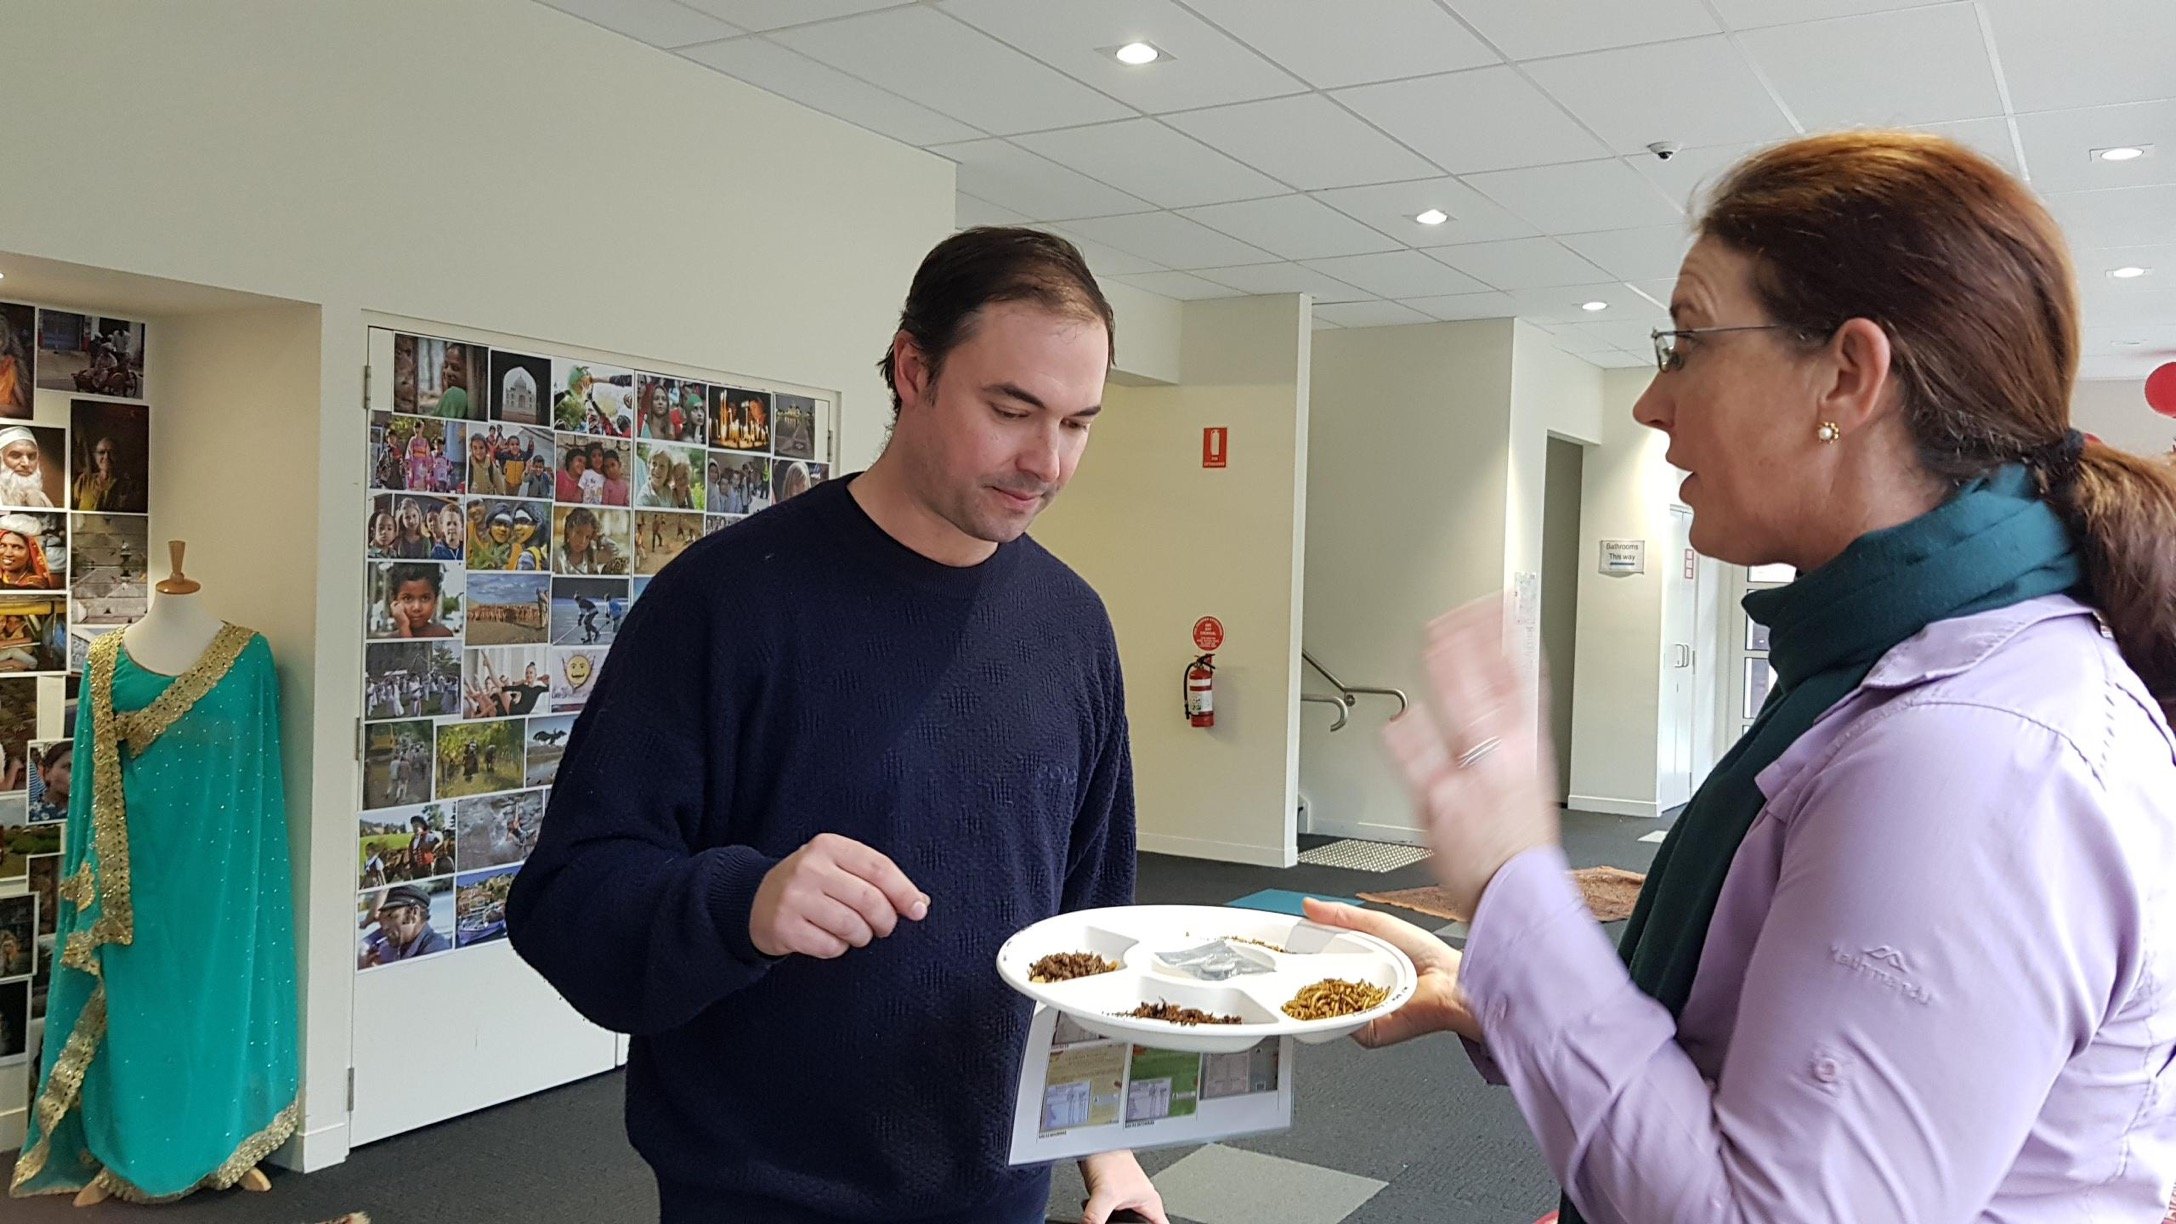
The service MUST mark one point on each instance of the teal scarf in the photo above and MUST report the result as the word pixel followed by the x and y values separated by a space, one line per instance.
pixel 1994 544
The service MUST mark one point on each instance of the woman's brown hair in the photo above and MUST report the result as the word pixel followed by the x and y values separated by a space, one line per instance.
pixel 1969 276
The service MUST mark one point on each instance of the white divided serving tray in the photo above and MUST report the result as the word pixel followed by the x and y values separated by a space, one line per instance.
pixel 1133 936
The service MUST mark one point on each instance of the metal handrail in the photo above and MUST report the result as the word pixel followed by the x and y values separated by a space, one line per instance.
pixel 1343 705
pixel 1349 690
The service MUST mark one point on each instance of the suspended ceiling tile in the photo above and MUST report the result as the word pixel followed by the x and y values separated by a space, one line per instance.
pixel 1486 119
pixel 1752 14
pixel 2059 54
pixel 2120 216
pixel 1354 42
pixel 1529 29
pixel 1520 263
pixel 1990 137
pixel 2059 145
pixel 1566 305
pixel 1144 157
pixel 954 69
pixel 1650 253
pixel 1306 141
pixel 1180 285
pixel 1370 314
pixel 1926 65
pixel 772 14
pixel 1692 171
pixel 1207 68
pixel 967 212
pixel 1011 177
pixel 1293 227
pixel 1696 92
pixel 1392 207
pixel 660 23
pixel 1583 196
pixel 1171 240
pixel 1398 274
pixel 1460 306
pixel 789 74
pixel 1284 277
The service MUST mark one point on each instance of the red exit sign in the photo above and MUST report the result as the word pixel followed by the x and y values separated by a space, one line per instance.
pixel 1215 446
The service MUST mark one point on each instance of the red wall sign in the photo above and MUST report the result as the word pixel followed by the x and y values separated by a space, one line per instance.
pixel 1208 634
pixel 1214 446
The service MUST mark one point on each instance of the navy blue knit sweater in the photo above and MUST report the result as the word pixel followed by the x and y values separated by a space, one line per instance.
pixel 802 673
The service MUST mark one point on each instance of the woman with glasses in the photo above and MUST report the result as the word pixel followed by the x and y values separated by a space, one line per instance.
pixel 1910 953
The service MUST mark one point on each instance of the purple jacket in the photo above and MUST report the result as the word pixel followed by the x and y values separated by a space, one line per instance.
pixel 1941 980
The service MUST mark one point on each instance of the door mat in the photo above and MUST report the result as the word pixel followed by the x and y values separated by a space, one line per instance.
pixel 1610 893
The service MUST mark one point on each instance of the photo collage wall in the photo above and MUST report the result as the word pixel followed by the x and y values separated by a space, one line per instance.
pixel 519 504
pixel 75 447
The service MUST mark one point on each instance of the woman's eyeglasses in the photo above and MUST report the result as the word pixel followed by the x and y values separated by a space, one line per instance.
pixel 1669 356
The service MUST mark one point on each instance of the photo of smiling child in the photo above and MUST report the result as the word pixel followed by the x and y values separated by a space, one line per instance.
pixel 413 599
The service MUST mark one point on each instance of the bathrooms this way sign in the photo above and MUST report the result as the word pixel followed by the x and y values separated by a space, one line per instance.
pixel 1624 557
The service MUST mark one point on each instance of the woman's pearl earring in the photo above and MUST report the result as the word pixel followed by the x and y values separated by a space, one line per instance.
pixel 1829 431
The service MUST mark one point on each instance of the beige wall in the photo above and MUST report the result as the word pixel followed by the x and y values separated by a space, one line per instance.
pixel 1617 694
pixel 491 164
pixel 1166 542
pixel 2116 410
pixel 1407 496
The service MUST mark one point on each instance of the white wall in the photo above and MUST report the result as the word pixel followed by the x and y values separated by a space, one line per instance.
pixel 2116 410
pixel 1149 328
pixel 415 160
pixel 1617 693
pixel 1407 495
pixel 1165 542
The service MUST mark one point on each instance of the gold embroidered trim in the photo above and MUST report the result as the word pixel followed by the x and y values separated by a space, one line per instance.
pixel 81 888
pixel 143 727
pixel 248 1156
pixel 64 1086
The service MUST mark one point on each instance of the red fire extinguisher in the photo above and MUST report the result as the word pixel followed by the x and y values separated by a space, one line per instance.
pixel 1201 691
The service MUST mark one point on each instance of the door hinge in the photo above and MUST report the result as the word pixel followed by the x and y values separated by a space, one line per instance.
pixel 351 1090
pixel 366 390
pixel 358 739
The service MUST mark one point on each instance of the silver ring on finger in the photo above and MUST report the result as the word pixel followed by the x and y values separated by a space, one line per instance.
pixel 1472 756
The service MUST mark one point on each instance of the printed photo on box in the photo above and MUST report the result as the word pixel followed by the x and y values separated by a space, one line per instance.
pixel 42 980
pixel 480 905
pixel 106 562
pixel 397 764
pixel 48 768
pixel 509 535
pixel 662 419
pixel 33 550
pixel 33 467
pixel 18 359
pixel 547 743
pixel 714 523
pixel 593 540
pixel 403 845
pixel 520 388
pixel 510 460
pixel 587 611
pixel 440 378
pixel 506 682
pixel 411 679
pixel 14 1022
pixel 418 454
pixel 109 457
pixel 795 431
pixel 412 599
pixel 21 842
pixel 743 484
pixel 593 399
pixel 403 922
pixel 668 476
pixel 477 758
pixel 740 420
pixel 509 609
pixel 695 413
pixel 415 527
pixel 499 829
pixel 661 536
pixel 791 478
pixel 18 935
pixel 576 668
pixel 45 885
pixel 33 632
pixel 90 355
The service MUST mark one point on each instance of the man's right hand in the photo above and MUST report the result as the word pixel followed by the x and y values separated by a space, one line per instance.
pixel 830 895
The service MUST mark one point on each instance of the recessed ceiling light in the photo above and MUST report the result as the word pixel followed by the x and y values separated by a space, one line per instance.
pixel 2132 272
pixel 2120 153
pixel 1593 306
pixel 1137 54
pixel 1434 216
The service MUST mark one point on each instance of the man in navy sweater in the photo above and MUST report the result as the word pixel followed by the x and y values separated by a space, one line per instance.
pixel 840 752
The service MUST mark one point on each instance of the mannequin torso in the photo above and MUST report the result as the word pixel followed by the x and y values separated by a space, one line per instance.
pixel 173 635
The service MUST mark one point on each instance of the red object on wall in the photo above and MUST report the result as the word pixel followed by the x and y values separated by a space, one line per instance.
pixel 1215 446
pixel 2161 390
pixel 1201 691
pixel 1208 635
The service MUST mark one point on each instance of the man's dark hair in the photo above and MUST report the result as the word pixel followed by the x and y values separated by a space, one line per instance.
pixel 981 267
pixel 401 575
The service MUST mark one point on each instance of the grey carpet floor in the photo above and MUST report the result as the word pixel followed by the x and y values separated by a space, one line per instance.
pixel 1452 1149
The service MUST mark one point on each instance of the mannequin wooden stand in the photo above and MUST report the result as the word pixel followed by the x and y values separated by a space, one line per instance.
pixel 170 638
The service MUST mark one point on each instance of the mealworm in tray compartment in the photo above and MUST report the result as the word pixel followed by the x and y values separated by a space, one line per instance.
pixel 1065 966
pixel 1334 997
pixel 1174 1014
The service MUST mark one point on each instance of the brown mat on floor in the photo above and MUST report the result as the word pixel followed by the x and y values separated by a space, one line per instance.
pixel 353 1217
pixel 1610 892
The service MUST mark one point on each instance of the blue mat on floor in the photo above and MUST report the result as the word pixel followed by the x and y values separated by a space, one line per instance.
pixel 1279 901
